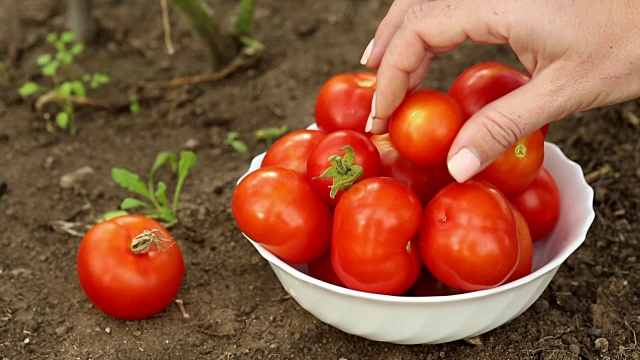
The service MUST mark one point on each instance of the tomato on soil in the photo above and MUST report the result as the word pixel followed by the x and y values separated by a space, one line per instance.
pixel 130 267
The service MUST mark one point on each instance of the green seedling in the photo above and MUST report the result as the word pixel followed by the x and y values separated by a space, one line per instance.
pixel 233 140
pixel 134 105
pixel 155 194
pixel 269 135
pixel 57 67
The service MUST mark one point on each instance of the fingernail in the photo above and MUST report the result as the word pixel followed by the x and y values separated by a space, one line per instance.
pixel 369 124
pixel 367 53
pixel 463 165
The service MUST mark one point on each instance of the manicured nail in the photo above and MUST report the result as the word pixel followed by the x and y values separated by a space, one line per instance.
pixel 463 165
pixel 367 53
pixel 369 124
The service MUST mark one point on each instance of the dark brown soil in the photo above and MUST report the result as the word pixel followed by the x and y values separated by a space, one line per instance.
pixel 237 308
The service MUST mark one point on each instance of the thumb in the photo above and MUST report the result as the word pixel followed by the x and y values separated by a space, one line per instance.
pixel 502 123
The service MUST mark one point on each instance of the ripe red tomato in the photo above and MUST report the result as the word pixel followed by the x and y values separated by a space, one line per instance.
pixel 344 102
pixel 125 284
pixel 277 208
pixel 292 150
pixel 373 248
pixel 322 269
pixel 483 83
pixel 423 127
pixel 469 238
pixel 539 204
pixel 425 180
pixel 525 260
pixel 332 168
pixel 428 285
pixel 518 166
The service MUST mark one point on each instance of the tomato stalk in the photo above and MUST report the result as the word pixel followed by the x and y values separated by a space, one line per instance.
pixel 343 171
pixel 141 244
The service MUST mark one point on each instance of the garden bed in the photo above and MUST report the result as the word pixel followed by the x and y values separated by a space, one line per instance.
pixel 237 308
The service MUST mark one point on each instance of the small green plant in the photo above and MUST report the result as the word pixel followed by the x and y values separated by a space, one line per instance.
pixel 57 66
pixel 134 105
pixel 233 139
pixel 155 194
pixel 269 135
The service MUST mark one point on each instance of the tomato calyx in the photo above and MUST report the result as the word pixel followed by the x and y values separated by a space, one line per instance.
pixel 521 150
pixel 343 171
pixel 141 244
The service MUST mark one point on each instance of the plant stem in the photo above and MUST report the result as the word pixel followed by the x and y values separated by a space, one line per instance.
pixel 81 20
pixel 244 21
pixel 222 47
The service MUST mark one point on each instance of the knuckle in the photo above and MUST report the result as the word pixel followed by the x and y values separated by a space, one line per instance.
pixel 502 128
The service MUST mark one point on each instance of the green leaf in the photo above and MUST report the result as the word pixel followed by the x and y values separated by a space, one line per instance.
pixel 86 77
pixel 130 203
pixel 52 37
pixel 130 181
pixel 62 119
pixel 187 160
pixel 112 214
pixel 77 87
pixel 163 158
pixel 98 80
pixel 65 57
pixel 134 105
pixel 77 49
pixel 161 194
pixel 50 69
pixel 44 59
pixel 67 37
pixel 29 88
pixel 65 88
pixel 239 146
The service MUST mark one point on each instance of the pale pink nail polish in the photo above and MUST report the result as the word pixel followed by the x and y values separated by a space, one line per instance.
pixel 369 124
pixel 367 53
pixel 464 165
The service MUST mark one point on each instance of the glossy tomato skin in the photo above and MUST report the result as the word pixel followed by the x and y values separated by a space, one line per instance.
pixel 423 127
pixel 483 83
pixel 525 259
pixel 277 208
pixel 428 285
pixel 424 180
pixel 468 238
pixel 292 150
pixel 322 269
pixel 366 156
pixel 518 166
pixel 120 283
pixel 344 102
pixel 373 247
pixel 539 204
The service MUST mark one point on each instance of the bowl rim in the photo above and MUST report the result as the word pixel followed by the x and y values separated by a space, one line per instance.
pixel 543 270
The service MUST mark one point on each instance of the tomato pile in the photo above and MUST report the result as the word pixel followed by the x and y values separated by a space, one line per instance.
pixel 380 213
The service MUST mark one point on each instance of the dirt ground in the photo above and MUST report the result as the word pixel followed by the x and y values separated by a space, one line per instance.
pixel 237 308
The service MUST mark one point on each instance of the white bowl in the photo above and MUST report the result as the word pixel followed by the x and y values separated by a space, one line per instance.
pixel 439 319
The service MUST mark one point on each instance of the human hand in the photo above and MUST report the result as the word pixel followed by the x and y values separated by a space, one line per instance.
pixel 580 54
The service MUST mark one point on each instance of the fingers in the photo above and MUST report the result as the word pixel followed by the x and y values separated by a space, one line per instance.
pixel 428 28
pixel 500 124
pixel 388 26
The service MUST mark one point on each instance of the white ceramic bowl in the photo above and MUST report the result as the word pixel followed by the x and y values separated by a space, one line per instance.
pixel 439 319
